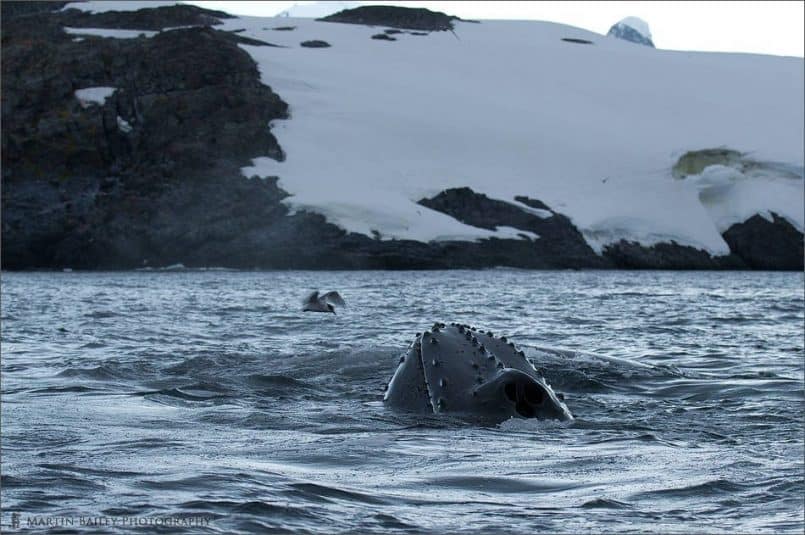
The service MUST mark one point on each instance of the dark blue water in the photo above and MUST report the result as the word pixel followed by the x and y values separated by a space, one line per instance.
pixel 165 395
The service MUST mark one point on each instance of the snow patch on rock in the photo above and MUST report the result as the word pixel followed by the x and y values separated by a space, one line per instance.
pixel 108 32
pixel 123 125
pixel 90 96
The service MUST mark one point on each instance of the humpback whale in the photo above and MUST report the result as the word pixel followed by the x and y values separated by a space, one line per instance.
pixel 459 369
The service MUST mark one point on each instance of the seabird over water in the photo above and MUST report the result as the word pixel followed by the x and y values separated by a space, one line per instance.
pixel 323 303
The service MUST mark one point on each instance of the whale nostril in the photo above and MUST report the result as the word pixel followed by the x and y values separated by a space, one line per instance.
pixel 525 410
pixel 526 397
pixel 533 394
pixel 511 392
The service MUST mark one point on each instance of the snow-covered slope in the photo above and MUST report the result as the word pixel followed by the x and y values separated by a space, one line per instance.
pixel 508 108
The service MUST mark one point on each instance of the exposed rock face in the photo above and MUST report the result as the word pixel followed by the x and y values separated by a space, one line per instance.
pixel 764 244
pixel 156 18
pixel 81 190
pixel 407 18
pixel 559 245
pixel 630 255
pixel 9 10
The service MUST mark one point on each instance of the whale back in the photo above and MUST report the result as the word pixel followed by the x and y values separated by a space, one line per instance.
pixel 407 389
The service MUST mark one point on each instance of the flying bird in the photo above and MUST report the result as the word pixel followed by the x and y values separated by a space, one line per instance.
pixel 323 303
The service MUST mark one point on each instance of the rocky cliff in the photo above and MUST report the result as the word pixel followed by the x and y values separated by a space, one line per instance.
pixel 149 172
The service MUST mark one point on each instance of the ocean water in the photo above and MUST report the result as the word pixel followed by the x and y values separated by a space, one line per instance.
pixel 205 401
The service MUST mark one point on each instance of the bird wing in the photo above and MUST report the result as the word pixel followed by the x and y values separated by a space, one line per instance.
pixel 312 298
pixel 334 298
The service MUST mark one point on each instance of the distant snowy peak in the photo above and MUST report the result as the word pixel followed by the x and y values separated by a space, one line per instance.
pixel 638 24
pixel 632 29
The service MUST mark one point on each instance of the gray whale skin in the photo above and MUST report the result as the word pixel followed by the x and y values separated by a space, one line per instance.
pixel 459 369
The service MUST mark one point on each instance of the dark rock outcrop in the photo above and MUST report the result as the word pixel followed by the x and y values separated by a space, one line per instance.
pixel 315 43
pixel 407 18
pixel 577 41
pixel 10 9
pixel 155 18
pixel 667 255
pixel 87 187
pixel 764 244
pixel 383 37
pixel 532 203
pixel 560 244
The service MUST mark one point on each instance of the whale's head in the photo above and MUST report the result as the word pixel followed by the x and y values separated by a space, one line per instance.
pixel 458 369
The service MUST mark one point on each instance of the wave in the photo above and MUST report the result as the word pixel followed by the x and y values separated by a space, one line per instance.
pixel 504 485
pixel 712 488
pixel 278 383
pixel 606 503
pixel 55 390
pixel 323 493
pixel 103 314
pixel 99 373
pixel 181 394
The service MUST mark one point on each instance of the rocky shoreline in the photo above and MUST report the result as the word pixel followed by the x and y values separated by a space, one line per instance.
pixel 150 176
